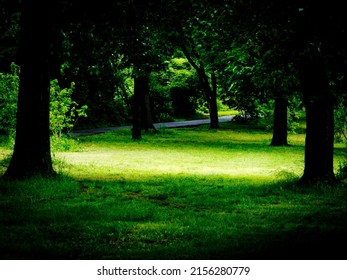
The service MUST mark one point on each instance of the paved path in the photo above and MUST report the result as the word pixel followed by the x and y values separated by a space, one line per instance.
pixel 156 125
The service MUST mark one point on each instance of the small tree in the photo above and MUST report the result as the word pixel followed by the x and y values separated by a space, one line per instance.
pixel 64 112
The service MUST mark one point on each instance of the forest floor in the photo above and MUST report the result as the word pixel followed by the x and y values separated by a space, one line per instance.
pixel 182 193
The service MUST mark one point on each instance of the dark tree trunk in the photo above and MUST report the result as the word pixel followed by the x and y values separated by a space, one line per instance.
pixel 136 129
pixel 210 92
pixel 214 122
pixel 146 112
pixel 32 155
pixel 280 131
pixel 319 146
pixel 211 99
pixel 318 100
pixel 142 114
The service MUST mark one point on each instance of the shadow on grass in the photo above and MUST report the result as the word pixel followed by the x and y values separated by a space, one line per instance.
pixel 174 217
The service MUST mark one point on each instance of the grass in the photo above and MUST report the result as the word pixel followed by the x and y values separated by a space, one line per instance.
pixel 180 194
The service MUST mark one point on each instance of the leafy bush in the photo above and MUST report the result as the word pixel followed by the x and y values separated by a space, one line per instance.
pixel 175 91
pixel 340 114
pixel 64 112
pixel 9 85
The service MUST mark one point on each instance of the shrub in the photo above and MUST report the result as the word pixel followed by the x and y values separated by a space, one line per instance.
pixel 64 112
pixel 340 115
pixel 9 85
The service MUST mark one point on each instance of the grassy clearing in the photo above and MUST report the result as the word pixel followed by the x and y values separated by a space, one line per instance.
pixel 180 194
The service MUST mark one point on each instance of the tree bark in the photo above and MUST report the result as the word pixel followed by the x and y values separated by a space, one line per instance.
pixel 32 154
pixel 214 121
pixel 146 112
pixel 318 100
pixel 136 129
pixel 142 114
pixel 319 146
pixel 280 131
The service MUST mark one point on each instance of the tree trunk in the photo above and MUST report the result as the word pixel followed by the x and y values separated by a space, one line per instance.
pixel 214 122
pixel 210 93
pixel 142 108
pixel 32 155
pixel 319 146
pixel 280 131
pixel 146 112
pixel 136 130
pixel 318 101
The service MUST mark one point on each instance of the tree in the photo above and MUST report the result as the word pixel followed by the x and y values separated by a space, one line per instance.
pixel 280 130
pixel 198 39
pixel 144 51
pixel 319 145
pixel 142 116
pixel 320 32
pixel 209 86
pixel 194 33
pixel 260 67
pixel 32 155
pixel 177 90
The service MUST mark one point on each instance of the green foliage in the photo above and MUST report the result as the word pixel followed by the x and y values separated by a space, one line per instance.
pixel 63 143
pixel 340 114
pixel 176 91
pixel 9 85
pixel 342 172
pixel 338 87
pixel 266 115
pixel 124 89
pixel 160 97
pixel 64 112
pixel 180 73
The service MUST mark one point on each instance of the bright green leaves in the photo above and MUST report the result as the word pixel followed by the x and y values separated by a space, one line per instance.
pixel 9 85
pixel 64 112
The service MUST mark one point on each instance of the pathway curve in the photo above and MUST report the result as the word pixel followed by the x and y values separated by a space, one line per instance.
pixel 92 131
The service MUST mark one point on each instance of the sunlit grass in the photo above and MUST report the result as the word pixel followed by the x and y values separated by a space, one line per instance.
pixel 180 194
pixel 173 152
pixel 231 153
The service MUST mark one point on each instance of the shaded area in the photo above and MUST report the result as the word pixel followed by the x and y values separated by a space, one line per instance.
pixel 174 217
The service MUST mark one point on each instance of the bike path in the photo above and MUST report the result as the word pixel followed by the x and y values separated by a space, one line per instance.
pixel 93 131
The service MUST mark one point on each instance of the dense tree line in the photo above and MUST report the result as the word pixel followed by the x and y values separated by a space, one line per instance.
pixel 247 54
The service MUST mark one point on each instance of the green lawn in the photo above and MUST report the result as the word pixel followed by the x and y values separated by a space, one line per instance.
pixel 180 194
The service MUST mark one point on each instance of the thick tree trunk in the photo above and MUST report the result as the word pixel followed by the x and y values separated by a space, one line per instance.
pixel 280 131
pixel 142 114
pixel 32 155
pixel 318 101
pixel 319 146
pixel 146 112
